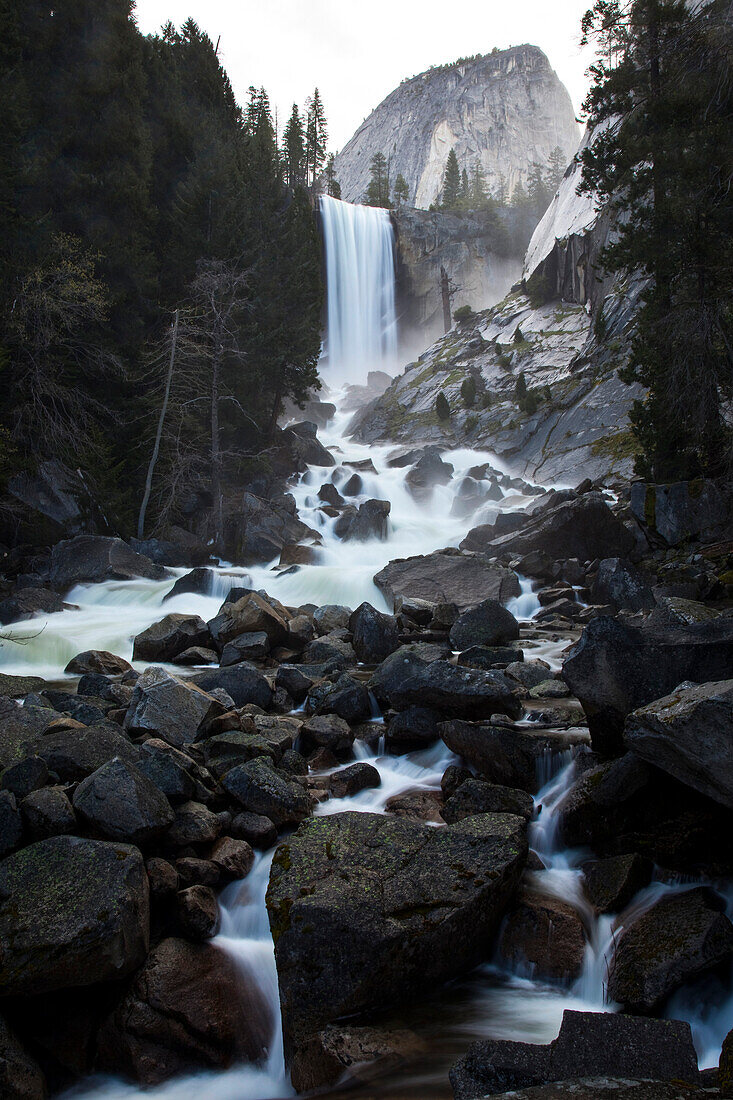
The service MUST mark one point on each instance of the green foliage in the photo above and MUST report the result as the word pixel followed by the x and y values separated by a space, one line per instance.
pixel 487 400
pixel 471 423
pixel 451 182
pixel 520 389
pixel 333 187
pixel 664 71
pixel 518 336
pixel 530 403
pixel 464 313
pixel 401 191
pixel 468 391
pixel 442 408
pixel 377 193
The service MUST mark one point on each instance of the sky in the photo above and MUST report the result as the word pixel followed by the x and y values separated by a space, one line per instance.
pixel 356 53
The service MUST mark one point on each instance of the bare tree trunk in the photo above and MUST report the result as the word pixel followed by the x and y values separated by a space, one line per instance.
pixel 445 292
pixel 277 405
pixel 159 432
pixel 216 448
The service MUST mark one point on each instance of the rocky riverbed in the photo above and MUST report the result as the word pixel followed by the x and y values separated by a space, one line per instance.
pixel 304 844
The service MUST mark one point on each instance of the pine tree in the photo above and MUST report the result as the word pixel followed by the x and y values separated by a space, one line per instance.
pixel 556 165
pixel 294 150
pixel 664 72
pixel 538 193
pixel 451 182
pixel 333 187
pixel 377 193
pixel 401 191
pixel 316 136
pixel 478 186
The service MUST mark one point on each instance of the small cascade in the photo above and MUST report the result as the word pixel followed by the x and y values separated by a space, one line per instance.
pixel 361 330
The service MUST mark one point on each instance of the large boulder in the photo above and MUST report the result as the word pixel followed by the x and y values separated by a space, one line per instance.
pixel 428 471
pixel 375 635
pixel 121 803
pixel 622 585
pixel 678 938
pixel 175 709
pixel 447 576
pixel 259 529
pixel 486 624
pixel 510 757
pixel 247 615
pixel 404 680
pixel 369 910
pixel 683 510
pixel 347 697
pixel 371 521
pixel 164 640
pixel 243 683
pixel 72 913
pixel 187 1009
pixel 24 603
pixel 21 1078
pixel 260 789
pixel 98 661
pixel 689 734
pixel 617 667
pixel 89 559
pixel 590 1044
pixel 75 753
pixel 584 528
pixel 545 935
pixel 21 726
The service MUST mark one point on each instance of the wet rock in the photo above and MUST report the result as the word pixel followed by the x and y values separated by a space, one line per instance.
pixel 428 471
pixel 549 689
pixel 302 440
pixel 682 510
pixel 353 487
pixel 245 647
pixel 412 729
pixel 234 858
pixel 358 1052
pixel 243 684
pixel 611 883
pixel 300 631
pixel 346 697
pixel 162 879
pixel 168 769
pixel 293 554
pixel 197 913
pixel 173 708
pixel 247 615
pixel 725 1066
pixel 75 753
pixel 510 757
pixel 616 667
pixel 452 778
pixel 21 1078
pixel 329 494
pixel 590 1044
pixel 383 896
pixel 622 585
pixel 48 812
pixel 486 657
pixel 72 913
pixel 11 823
pixel 199 581
pixel 403 680
pixel 416 805
pixel 486 624
pixel 474 796
pixel 447 576
pixel 357 777
pixel 293 763
pixel 193 871
pixel 331 617
pixel 91 559
pixel 545 935
pixel 98 660
pixel 375 635
pixel 689 734
pixel 187 1009
pixel 15 687
pixel 261 790
pixel 226 750
pixel 193 823
pixel 528 673
pixel 170 636
pixel 294 680
pixel 680 937
pixel 328 731
pixel 24 603
pixel 120 802
pixel 371 521
pixel 330 649
pixel 256 829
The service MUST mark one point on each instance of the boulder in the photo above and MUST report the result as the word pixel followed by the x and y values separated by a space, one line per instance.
pixel 403 680
pixel 683 510
pixel 259 529
pixel 11 823
pixel 530 674
pixel 75 753
pixel 234 858
pixel 329 494
pixel 371 521
pixel 545 935
pixel 611 883
pixel 584 528
pixel 199 581
pixel 689 734
pixel 100 661
pixel 474 796
pixel 256 829
pixel 121 803
pixel 21 1078
pixel 165 640
pixel 245 647
pixel 617 667
pixel 590 1044
pixel 243 684
pixel 187 1009
pixel 331 617
pixel 681 936
pixel 347 1053
pixel 72 913
pixel 248 614
pixel 486 624
pixel 509 757
pixel 24 603
pixel 48 812
pixel 428 471
pixel 173 708
pixel 168 769
pixel 412 729
pixel 193 823
pixel 346 697
pixel 303 442
pixel 332 650
pixel 90 559
pixel 725 1066
pixel 368 910
pixel 357 777
pixel 486 657
pixel 328 731
pixel 416 805
pixel 197 913
pixel 447 576
pixel 375 635
pixel 622 585
pixel 262 790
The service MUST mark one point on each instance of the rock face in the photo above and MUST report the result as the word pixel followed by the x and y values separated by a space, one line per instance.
pixel 447 576
pixel 689 734
pixel 369 910
pixel 88 559
pixel 590 1044
pixel 88 924
pixel 507 111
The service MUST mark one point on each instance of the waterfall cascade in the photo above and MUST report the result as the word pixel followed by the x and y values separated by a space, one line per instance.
pixel 360 279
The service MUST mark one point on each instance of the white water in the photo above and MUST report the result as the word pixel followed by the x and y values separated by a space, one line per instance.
pixel 362 324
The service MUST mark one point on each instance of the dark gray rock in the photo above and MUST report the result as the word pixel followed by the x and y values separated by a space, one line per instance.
pixel 428 471
pixel 680 937
pixel 233 857
pixel 487 624
pixel 197 913
pixel 245 647
pixel 447 576
pixel 173 708
pixel 371 521
pixel 48 812
pixel 164 640
pixel 90 559
pixel 622 585
pixel 509 757
pixel 261 790
pixel 590 1044
pixel 21 1078
pixel 357 777
pixel 689 734
pixel 329 732
pixel 24 603
pixel 403 680
pixel 168 769
pixel 347 697
pixel 248 614
pixel 683 510
pixel 331 617
pixel 256 829
pixel 486 657
pixel 611 883
pixel 375 635
pixel 11 823
pixel 193 823
pixel 545 936
pixel 75 753
pixel 100 661
pixel 120 802
pixel 475 796
pixel 199 581
pixel 72 913
pixel 384 896
pixel 412 729
pixel 294 680
pixel 243 684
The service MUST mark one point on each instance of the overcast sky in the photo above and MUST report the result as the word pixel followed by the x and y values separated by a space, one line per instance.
pixel 356 53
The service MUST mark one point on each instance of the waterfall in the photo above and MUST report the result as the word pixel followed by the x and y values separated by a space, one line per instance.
pixel 361 330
